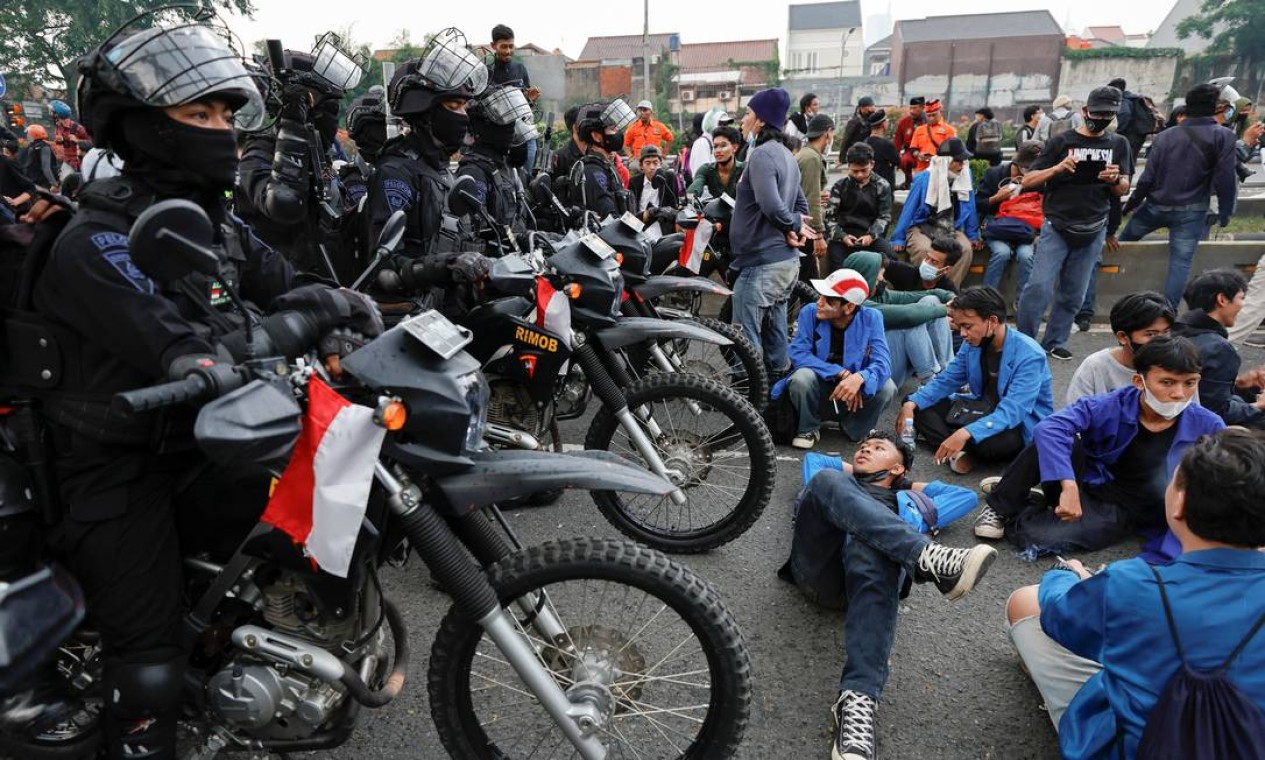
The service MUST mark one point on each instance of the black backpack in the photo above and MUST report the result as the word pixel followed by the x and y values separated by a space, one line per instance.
pixel 1201 714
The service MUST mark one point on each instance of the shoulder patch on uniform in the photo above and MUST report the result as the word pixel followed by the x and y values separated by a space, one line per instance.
pixel 600 179
pixel 481 191
pixel 399 194
pixel 113 248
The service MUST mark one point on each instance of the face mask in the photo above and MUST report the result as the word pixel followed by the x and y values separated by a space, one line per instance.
pixel 928 272
pixel 208 155
pixel 497 137
pixel 449 128
pixel 1166 409
pixel 1134 348
pixel 872 477
pixel 1097 126
pixel 614 143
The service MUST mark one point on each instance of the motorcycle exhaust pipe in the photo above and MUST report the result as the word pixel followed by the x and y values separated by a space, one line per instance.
pixel 508 436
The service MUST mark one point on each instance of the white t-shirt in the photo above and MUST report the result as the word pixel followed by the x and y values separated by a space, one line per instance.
pixel 700 154
pixel 1099 373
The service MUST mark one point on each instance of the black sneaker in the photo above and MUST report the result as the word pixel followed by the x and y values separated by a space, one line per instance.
pixel 854 727
pixel 1060 353
pixel 1082 325
pixel 954 571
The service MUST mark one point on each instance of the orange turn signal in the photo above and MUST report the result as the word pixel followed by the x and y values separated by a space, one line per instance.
pixel 391 415
pixel 619 258
pixel 573 290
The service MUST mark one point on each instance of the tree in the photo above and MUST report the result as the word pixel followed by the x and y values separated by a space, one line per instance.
pixel 44 38
pixel 1237 31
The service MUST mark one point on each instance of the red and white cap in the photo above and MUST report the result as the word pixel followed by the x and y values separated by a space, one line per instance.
pixel 847 284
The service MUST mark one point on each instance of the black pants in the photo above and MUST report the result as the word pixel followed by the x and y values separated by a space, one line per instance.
pixel 836 252
pixel 932 423
pixel 808 264
pixel 1104 521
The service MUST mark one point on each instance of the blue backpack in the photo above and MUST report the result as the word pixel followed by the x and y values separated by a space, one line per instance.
pixel 1201 714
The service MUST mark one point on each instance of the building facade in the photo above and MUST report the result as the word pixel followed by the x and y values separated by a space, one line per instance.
pixel 824 40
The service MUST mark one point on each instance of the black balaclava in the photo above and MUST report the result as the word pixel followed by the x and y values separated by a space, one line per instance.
pixel 176 158
pixel 449 128
pixel 518 156
pixel 496 138
pixel 325 118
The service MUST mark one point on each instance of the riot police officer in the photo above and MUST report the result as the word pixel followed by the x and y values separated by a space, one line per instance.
pixel 367 126
pixel 494 120
pixel 429 94
pixel 164 99
pixel 287 189
pixel 594 184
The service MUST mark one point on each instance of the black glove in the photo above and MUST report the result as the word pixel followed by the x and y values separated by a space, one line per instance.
pixel 666 215
pixel 333 308
pixel 295 102
pixel 575 220
pixel 342 342
pixel 470 267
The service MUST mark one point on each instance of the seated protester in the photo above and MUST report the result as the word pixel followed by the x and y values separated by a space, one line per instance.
pixel 1105 650
pixel 1101 463
pixel 1215 299
pixel 859 209
pixel 653 191
pixel 1008 388
pixel 851 549
pixel 721 176
pixel 932 273
pixel 1015 238
pixel 919 339
pixel 1136 319
pixel 838 357
pixel 940 203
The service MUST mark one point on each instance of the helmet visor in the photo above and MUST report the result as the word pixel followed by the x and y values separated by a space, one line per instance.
pixel 335 66
pixel 449 66
pixel 618 115
pixel 524 131
pixel 171 67
pixel 504 105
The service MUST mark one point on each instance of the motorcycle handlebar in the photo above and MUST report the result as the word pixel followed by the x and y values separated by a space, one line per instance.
pixel 191 388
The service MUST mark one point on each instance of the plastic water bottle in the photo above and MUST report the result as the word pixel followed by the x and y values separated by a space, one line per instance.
pixel 907 434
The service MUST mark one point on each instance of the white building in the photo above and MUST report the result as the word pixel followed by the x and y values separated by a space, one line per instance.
pixel 824 41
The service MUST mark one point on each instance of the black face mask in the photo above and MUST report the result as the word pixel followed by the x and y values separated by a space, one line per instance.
pixel 325 119
pixel 872 477
pixel 202 158
pixel 1097 126
pixel 614 143
pixel 449 128
pixel 495 137
pixel 518 156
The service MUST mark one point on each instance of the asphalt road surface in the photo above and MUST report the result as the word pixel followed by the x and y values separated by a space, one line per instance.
pixel 955 692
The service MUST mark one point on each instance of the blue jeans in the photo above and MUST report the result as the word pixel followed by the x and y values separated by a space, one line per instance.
pixel 1000 254
pixel 808 392
pixel 921 351
pixel 1185 227
pixel 849 549
pixel 1059 273
pixel 759 299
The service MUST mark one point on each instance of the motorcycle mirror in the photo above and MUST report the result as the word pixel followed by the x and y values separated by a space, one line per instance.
pixel 37 613
pixel 461 198
pixel 172 239
pixel 393 231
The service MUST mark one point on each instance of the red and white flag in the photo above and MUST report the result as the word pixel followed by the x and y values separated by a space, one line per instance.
pixel 695 243
pixel 321 497
pixel 553 311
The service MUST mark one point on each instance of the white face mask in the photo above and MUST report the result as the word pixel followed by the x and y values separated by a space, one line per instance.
pixel 928 272
pixel 1166 409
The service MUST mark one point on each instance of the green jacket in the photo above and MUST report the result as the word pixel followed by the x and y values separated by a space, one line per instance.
pixel 708 178
pixel 901 309
pixel 812 179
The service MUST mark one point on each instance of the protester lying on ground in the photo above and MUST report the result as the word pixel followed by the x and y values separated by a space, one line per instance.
pixel 1107 651
pixel 1009 388
pixel 850 549
pixel 1215 299
pixel 1100 465
pixel 1136 319
pixel 933 273
pixel 838 361
pixel 941 201
pixel 919 339
pixel 859 209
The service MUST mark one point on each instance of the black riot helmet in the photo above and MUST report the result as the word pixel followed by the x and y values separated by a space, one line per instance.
pixel 598 117
pixel 446 69
pixel 495 116
pixel 367 124
pixel 168 57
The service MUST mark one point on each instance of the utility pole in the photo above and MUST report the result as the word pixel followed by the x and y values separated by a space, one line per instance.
pixel 648 94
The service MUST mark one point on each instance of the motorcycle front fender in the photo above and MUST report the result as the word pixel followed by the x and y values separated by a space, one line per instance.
pixel 663 284
pixel 501 475
pixel 633 330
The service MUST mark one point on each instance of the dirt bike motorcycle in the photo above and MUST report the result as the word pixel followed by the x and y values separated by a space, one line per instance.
pixel 550 645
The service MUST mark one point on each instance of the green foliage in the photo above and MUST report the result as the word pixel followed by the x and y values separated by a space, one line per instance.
pixel 978 167
pixel 44 38
pixel 1121 52
pixel 1237 31
pixel 663 84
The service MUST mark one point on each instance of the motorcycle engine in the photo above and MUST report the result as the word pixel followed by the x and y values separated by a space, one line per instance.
pixel 511 406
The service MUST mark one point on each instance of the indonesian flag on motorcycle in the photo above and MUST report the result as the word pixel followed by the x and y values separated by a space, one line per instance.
pixel 553 312
pixel 695 243
pixel 321 497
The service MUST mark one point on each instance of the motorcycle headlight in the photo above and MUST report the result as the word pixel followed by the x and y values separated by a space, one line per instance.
pixel 477 393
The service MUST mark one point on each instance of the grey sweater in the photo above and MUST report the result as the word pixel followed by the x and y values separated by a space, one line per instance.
pixel 769 204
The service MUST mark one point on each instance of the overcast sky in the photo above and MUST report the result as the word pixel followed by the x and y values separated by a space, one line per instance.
pixel 566 25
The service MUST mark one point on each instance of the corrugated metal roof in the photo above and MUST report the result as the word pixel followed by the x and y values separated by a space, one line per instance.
pixel 622 46
pixel 842 15
pixel 715 56
pixel 979 26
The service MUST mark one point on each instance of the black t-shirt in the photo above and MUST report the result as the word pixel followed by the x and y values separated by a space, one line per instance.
pixel 1140 475
pixel 1067 201
pixel 837 341
pixel 990 359
pixel 886 158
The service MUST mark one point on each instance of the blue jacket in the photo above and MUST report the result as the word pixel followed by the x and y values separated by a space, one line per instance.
pixel 952 502
pixel 916 211
pixel 1106 425
pixel 1116 618
pixel 1221 363
pixel 769 204
pixel 864 349
pixel 1023 386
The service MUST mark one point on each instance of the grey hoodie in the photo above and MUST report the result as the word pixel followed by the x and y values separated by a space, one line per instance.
pixel 769 204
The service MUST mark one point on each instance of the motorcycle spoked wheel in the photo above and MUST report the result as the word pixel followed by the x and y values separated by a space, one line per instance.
pixel 737 366
pixel 648 641
pixel 717 449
